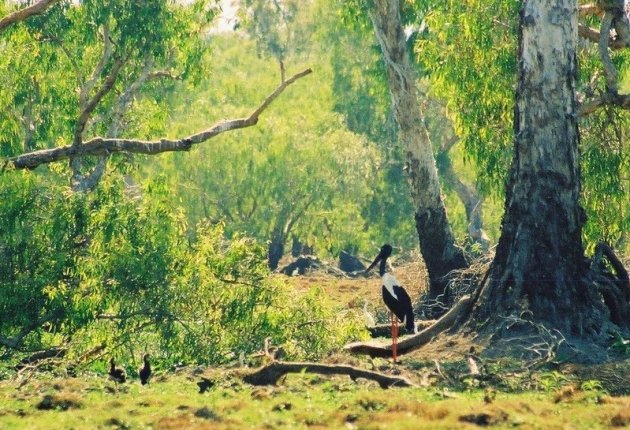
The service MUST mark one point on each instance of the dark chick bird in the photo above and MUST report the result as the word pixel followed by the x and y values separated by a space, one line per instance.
pixel 205 384
pixel 116 374
pixel 145 371
pixel 394 295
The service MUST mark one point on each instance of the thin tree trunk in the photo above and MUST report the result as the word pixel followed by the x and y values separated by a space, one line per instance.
pixel 437 244
pixel 469 196
pixel 540 264
pixel 276 246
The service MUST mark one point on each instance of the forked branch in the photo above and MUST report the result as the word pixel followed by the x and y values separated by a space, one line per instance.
pixel 593 35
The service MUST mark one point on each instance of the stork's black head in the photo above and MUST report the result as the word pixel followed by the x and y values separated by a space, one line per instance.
pixel 386 251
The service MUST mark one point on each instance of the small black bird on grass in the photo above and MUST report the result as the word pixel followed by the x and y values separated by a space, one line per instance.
pixel 118 375
pixel 145 372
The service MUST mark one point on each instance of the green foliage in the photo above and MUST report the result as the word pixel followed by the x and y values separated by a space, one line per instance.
pixel 300 171
pixel 468 52
pixel 52 64
pixel 37 244
pixel 313 326
pixel 104 268
pixel 550 381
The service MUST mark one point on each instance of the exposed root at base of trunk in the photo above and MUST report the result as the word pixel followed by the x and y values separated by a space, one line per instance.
pixel 614 288
pixel 270 374
pixel 385 330
pixel 411 343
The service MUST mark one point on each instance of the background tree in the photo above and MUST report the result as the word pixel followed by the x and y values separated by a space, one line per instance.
pixel 362 92
pixel 437 245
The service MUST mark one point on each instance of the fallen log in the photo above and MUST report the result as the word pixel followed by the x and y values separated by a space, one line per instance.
pixel 54 352
pixel 270 374
pixel 411 343
pixel 385 330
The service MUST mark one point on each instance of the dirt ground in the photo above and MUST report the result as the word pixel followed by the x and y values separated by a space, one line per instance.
pixel 607 366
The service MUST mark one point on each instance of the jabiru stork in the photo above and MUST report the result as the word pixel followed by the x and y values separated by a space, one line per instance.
pixel 395 297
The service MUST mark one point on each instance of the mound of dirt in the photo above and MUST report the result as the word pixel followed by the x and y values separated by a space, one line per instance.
pixel 59 401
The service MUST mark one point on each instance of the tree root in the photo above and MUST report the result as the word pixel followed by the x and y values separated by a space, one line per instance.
pixel 385 330
pixel 616 294
pixel 377 349
pixel 603 250
pixel 270 374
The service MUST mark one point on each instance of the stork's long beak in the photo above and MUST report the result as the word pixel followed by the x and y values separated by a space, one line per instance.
pixel 378 258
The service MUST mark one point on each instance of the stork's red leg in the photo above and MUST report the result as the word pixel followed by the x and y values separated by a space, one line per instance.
pixel 391 320
pixel 395 339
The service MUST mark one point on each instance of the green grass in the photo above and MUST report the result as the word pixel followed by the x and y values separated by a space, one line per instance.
pixel 299 402
pixel 624 84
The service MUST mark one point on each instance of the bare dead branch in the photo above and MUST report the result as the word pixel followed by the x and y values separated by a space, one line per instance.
pixel 54 352
pixel 104 146
pixel 22 14
pixel 593 35
pixel 411 343
pixel 270 374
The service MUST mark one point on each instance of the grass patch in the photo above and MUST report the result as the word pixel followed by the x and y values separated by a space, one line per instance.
pixel 300 401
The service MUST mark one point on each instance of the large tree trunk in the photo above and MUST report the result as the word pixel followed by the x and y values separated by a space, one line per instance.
pixel 540 264
pixel 437 245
